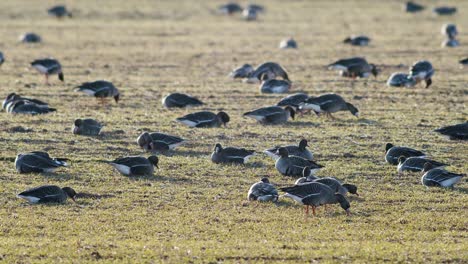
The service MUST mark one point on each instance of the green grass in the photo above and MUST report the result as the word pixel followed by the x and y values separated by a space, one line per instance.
pixel 194 210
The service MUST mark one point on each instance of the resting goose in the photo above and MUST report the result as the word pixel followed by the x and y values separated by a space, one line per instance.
pixel 13 97
pixel 59 11
pixel 158 142
pixel 454 132
pixel 135 166
pixel 412 7
pixel 315 194
pixel 272 115
pixel 38 161
pixel 274 85
pixel 230 8
pixel 288 43
pixel 86 127
pixel 422 71
pixel 28 107
pixel 354 67
pixel 415 164
pixel 433 177
pixel 242 72
pixel 357 40
pixel 47 194
pixel 263 191
pixel 399 79
pixel 99 89
pixel 205 119
pixel 293 100
pixel 294 166
pixel 230 154
pixel 450 30
pixel 180 100
pixel 271 69
pixel 294 150
pixel 328 104
pixel 48 67
pixel 30 38
pixel 444 10
pixel 393 153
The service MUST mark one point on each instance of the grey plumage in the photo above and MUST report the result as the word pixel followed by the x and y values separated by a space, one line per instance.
pixel 59 11
pixel 271 69
pixel 412 7
pixel 328 104
pixel 205 119
pixel 37 161
pixel 159 142
pixel 357 40
pixel 262 191
pixel 271 115
pixel 451 43
pixel 288 43
pixel 299 150
pixel 27 107
pixel 422 71
pixel 444 10
pixel 180 100
pixel 393 153
pixel 416 164
pixel 135 166
pixel 230 154
pixel 30 38
pixel 48 194
pixel 242 72
pixel 87 127
pixel 293 100
pixel 230 8
pixel 275 86
pixel 48 67
pixel 399 79
pixel 99 89
pixel 434 177
pixel 354 67
pixel 455 132
pixel 294 166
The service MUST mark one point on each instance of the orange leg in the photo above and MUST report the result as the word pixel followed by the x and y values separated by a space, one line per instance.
pixel 313 210
pixel 47 79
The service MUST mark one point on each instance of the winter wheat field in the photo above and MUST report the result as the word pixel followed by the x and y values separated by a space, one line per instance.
pixel 193 210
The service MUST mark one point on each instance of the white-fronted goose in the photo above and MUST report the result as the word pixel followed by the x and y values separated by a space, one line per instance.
pixel 293 100
pixel 230 8
pixel 450 30
pixel 180 100
pixel 99 89
pixel 59 11
pixel 294 150
pixel 315 194
pixel 444 10
pixel 271 69
pixel 159 142
pixel 205 119
pixel 30 38
pixel 357 40
pixel 412 7
pixel 262 191
pixel 354 67
pixel 38 161
pixel 433 177
pixel 294 166
pixel 271 115
pixel 230 154
pixel 399 79
pixel 416 164
pixel 28 107
pixel 242 72
pixel 455 132
pixel 328 104
pixel 13 97
pixel 86 127
pixel 274 85
pixel 135 166
pixel 393 153
pixel 47 194
pixel 48 67
pixel 288 43
pixel 422 71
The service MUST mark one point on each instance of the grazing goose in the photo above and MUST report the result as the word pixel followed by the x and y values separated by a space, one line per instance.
pixel 343 64
pixel 415 164
pixel 288 43
pixel 38 161
pixel 2 58
pixel 300 151
pixel 30 38
pixel 412 7
pixel 354 67
pixel 337 187
pixel 158 142
pixel 87 127
pixel 293 165
pixel 444 10
pixel 450 30
pixel 242 72
pixel 315 194
pixel 271 115
pixel 59 11
pixel 249 14
pixel 263 191
pixel 399 79
pixel 47 67
pixel 180 100
pixel 293 100
pixel 422 71
pixel 28 107
pixel 458 131
pixel 272 69
pixel 230 155
pixel 438 177
pixel 135 166
pixel 205 119
pixel 99 89
pixel 230 8
pixel 463 62
pixel 273 85
pixel 47 194
pixel 328 104
pixel 393 153
pixel 451 43
pixel 357 40
pixel 13 97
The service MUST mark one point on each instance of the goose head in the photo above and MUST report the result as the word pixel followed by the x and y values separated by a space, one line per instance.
pixel 427 167
pixel 374 70
pixel 265 180
pixel 218 148
pixel 70 192
pixel 223 117
pixel 282 152
pixel 388 146
pixel 353 109
pixel 290 111
pixel 116 98
pixel 351 188
pixel 145 140
pixel 154 160
pixel 303 144
pixel 60 76
pixel 343 203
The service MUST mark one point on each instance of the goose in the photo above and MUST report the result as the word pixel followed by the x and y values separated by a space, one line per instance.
pixel 135 166
pixel 451 43
pixel 357 40
pixel 99 89
pixel 439 177
pixel 450 30
pixel 47 67
pixel 328 104
pixel 422 71
pixel 337 187
pixel 415 164
pixel 87 127
pixel 294 166
pixel 205 119
pixel 454 132
pixel 399 79
pixel 393 153
pixel 249 14
pixel 242 72
pixel 47 194
pixel 271 115
pixel 272 69
pixel 444 10
pixel 343 64
pixel 293 100
pixel 12 97
pixel 273 85
pixel 258 8
pixel 354 67
pixel 412 7
pixel 59 11
pixel 159 142
pixel 30 38
pixel 315 194
pixel 28 107
pixel 180 100
pixel 230 154
pixel 294 150
pixel 463 62
pixel 306 178
pixel 38 161
pixel 230 8
pixel 2 58
pixel 262 191
pixel 288 43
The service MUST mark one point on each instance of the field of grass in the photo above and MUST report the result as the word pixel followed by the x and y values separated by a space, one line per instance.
pixel 197 211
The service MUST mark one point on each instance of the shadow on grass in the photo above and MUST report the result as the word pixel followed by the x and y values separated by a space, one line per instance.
pixel 187 153
pixel 85 195
pixel 303 124
pixel 60 176
pixel 461 190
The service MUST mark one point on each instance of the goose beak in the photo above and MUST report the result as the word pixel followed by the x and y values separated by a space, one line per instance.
pixel 357 194
pixel 73 199
pixel 348 212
